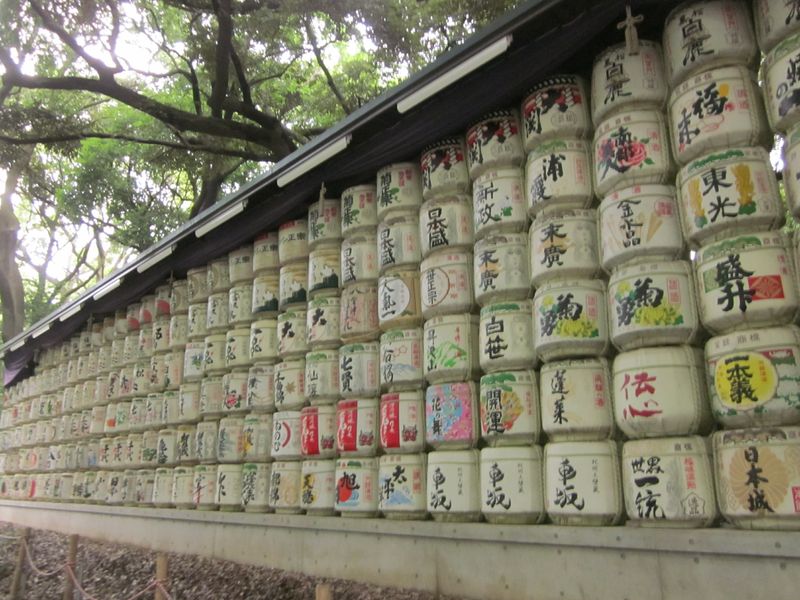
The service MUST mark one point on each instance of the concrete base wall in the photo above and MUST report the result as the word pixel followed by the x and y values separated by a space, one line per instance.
pixel 473 560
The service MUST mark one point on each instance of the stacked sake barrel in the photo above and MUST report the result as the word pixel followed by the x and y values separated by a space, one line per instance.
pixel 732 214
pixel 310 485
pixel 510 465
pixel 570 330
pixel 660 396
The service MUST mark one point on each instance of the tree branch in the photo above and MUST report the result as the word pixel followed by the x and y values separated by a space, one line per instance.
pixel 222 56
pixel 193 145
pixel 312 38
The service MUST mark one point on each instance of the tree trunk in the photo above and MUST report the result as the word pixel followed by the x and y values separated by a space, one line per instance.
pixel 12 295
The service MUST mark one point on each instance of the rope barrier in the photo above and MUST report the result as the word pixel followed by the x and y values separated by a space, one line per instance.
pixel 154 584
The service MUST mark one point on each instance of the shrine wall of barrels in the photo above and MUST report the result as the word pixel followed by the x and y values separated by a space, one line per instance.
pixel 581 310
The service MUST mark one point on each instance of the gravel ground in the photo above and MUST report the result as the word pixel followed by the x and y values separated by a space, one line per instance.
pixel 116 572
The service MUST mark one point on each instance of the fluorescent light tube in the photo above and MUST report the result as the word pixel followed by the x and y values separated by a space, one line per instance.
pixel 155 258
pixel 109 287
pixel 314 160
pixel 71 312
pixel 219 219
pixel 18 345
pixel 42 330
pixel 462 70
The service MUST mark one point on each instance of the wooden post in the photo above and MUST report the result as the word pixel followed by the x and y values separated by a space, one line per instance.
pixel 161 574
pixel 324 591
pixel 16 581
pixel 72 553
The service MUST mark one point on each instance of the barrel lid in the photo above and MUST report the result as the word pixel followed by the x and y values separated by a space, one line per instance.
pixel 505 113
pixel 451 141
pixel 613 48
pixel 554 80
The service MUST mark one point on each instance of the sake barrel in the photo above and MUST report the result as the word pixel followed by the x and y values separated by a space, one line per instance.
pixel 166 450
pixel 752 377
pixel 445 223
pixel 255 487
pixel 653 304
pixel 178 331
pixel 261 388
pixel 746 281
pixel 322 322
pixel 570 319
pixel 494 141
pixel 194 361
pixel 556 107
pixel 505 336
pixel 240 304
pixel 160 334
pixel 147 309
pixel 660 392
pixel 450 348
pixel 575 398
pixel 197 284
pixel 398 242
pixel 293 242
pixel 324 222
pixel 446 284
pixel 755 471
pixel 451 415
pixel 324 270
pixel 444 168
pixel 563 245
pixel 179 297
pixel 399 189
pixel 781 88
pixel 775 20
pixel 188 402
pixel 289 384
pixel 212 396
pixel 582 483
pixel 318 489
pixel 631 148
pixel 144 350
pixel 622 79
pixel 257 437
pixel 263 344
pixel 318 431
pixel 291 333
pixel 512 484
pixel 182 487
pixel 217 312
pixel 401 359
pixel 729 191
pixel 558 175
pixel 453 485
pixel 358 315
pixel 401 484
pixel 286 442
pixel 509 408
pixel 266 290
pixel 668 482
pixel 359 210
pixel 399 299
pixel 240 264
pixel 204 485
pixel 218 275
pixel 500 268
pixel 702 35
pixel 198 317
pixel 229 487
pixel 214 354
pixel 234 388
pixel 402 422
pixel 265 252
pixel 237 348
pixel 143 487
pixel 791 170
pixel 499 202
pixel 359 258
pixel 292 291
pixel 714 110
pixel 322 376
pixel 359 365
pixel 205 442
pixel 186 452
pixel 357 487
pixel 230 440
pixel 357 427
pixel 639 224
pixel 162 488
